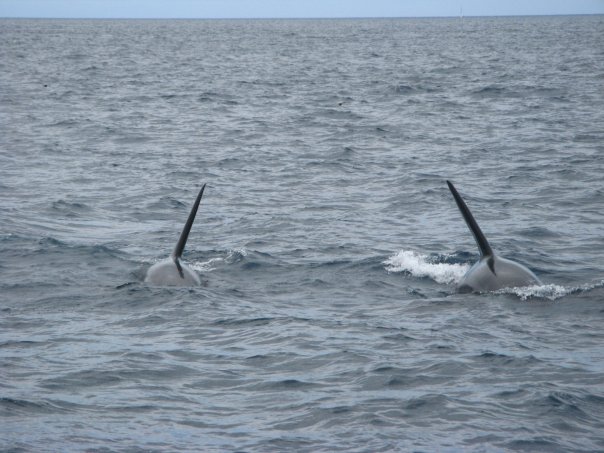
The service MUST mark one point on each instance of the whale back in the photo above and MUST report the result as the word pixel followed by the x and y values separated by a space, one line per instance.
pixel 505 274
pixel 167 273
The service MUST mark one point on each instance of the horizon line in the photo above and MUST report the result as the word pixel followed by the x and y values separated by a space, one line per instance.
pixel 293 18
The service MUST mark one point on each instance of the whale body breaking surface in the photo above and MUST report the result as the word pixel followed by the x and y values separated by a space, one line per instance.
pixel 173 271
pixel 490 272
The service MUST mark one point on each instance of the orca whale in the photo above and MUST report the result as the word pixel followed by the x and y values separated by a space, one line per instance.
pixel 172 271
pixel 490 272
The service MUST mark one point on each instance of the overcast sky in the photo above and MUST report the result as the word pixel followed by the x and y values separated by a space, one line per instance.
pixel 291 8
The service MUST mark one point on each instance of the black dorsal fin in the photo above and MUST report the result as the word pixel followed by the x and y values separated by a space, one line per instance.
pixel 481 240
pixel 179 267
pixel 182 240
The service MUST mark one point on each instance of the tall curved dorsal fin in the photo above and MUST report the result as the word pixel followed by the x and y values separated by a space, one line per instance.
pixel 481 240
pixel 182 240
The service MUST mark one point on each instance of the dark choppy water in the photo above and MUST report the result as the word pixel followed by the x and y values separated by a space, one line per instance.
pixel 327 240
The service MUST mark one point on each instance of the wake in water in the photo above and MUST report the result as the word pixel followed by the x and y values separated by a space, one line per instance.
pixel 551 292
pixel 421 266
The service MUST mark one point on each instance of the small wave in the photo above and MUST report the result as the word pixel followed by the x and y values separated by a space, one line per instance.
pixel 13 406
pixel 167 202
pixel 538 232
pixel 286 384
pixel 490 91
pixel 403 89
pixel 420 265
pixel 69 209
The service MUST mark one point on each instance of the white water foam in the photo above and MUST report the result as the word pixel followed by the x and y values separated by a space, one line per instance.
pixel 420 265
pixel 206 266
pixel 551 292
pixel 212 264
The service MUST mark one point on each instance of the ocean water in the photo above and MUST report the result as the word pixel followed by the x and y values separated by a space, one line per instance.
pixel 327 241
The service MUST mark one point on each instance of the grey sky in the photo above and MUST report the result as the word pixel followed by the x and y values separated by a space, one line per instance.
pixel 290 8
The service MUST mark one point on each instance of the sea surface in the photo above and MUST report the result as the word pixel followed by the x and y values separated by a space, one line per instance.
pixel 327 241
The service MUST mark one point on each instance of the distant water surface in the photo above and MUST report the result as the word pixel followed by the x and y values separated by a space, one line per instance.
pixel 327 241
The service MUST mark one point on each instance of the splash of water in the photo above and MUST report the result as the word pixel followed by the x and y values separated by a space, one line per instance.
pixel 420 265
